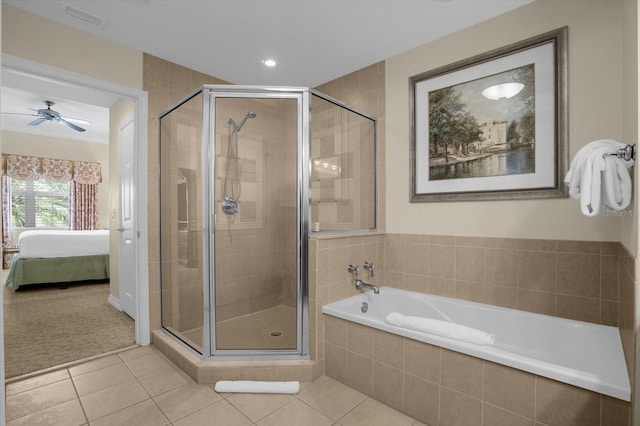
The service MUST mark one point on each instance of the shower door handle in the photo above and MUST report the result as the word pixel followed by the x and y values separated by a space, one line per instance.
pixel 120 229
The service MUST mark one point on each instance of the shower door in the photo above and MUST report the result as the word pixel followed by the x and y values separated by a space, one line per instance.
pixel 257 245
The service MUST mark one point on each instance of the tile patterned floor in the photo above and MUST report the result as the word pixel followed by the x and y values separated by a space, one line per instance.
pixel 143 388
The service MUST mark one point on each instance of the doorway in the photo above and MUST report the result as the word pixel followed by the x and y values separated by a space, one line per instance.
pixel 17 72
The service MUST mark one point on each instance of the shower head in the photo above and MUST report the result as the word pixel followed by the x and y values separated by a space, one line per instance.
pixel 247 116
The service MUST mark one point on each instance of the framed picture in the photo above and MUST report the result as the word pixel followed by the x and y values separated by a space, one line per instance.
pixel 493 126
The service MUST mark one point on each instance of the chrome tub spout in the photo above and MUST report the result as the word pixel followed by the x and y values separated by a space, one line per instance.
pixel 361 284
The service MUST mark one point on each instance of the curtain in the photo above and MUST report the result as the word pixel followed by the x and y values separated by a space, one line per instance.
pixel 83 196
pixel 6 216
pixel 83 206
pixel 5 190
pixel 83 178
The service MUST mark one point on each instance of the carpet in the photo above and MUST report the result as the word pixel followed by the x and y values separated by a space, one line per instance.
pixel 48 326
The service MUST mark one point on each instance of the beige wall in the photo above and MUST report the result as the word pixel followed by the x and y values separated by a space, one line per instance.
pixel 65 149
pixel 40 40
pixel 595 111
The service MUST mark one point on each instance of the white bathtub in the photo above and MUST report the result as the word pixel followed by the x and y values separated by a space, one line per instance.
pixel 575 352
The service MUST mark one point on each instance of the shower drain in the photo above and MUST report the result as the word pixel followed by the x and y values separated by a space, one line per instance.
pixel 276 334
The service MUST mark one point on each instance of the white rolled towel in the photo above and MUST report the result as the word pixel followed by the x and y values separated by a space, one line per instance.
pixel 441 328
pixel 250 386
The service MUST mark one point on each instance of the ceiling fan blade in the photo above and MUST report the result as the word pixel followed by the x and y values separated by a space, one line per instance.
pixel 77 120
pixel 37 122
pixel 21 113
pixel 70 125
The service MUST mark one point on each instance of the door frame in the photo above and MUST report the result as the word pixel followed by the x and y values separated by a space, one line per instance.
pixel 15 67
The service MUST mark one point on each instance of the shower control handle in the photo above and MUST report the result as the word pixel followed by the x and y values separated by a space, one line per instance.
pixel 369 267
pixel 354 270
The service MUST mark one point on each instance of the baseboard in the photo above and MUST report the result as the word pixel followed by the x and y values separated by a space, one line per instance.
pixel 115 302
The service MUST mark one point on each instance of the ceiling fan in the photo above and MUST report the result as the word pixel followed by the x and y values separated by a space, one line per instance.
pixel 47 114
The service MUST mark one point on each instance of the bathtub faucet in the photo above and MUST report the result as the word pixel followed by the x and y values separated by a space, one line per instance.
pixel 358 282
pixel 361 284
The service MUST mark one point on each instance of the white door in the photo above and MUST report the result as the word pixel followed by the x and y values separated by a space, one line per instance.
pixel 127 255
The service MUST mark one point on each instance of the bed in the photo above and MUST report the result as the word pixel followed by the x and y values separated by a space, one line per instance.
pixel 50 256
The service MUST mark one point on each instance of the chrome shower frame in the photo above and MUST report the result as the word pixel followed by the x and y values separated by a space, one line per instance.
pixel 211 94
pixel 303 96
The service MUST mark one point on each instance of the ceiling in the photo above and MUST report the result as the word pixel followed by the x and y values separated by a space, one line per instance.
pixel 314 41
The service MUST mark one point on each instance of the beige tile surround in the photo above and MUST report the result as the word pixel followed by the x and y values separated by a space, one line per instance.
pixel 442 387
pixel 584 280
pixel 570 279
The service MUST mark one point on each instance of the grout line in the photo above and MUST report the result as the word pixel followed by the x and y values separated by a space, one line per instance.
pixel 354 407
pixel 482 392
pixel 75 388
pixel 535 398
pixel 224 398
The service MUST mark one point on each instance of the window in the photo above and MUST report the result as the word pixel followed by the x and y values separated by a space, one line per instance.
pixel 39 204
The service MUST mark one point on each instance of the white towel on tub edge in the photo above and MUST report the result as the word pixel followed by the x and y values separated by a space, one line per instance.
pixel 441 328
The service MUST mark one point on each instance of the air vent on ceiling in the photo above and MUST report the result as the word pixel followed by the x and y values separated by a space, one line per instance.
pixel 82 16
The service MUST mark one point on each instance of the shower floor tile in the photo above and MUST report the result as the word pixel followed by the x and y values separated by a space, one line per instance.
pixel 184 402
pixel 273 328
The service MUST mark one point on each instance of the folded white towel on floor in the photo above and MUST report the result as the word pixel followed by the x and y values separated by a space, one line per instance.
pixel 441 328
pixel 597 178
pixel 250 386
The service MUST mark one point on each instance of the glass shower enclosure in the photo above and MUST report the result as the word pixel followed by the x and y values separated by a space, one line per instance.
pixel 235 214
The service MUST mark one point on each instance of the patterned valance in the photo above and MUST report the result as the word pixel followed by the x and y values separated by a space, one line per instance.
pixel 57 170
pixel 24 167
pixel 87 173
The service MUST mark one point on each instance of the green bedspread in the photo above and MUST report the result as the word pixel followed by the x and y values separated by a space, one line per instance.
pixel 57 270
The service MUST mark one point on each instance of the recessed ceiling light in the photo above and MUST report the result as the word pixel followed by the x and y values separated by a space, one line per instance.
pixel 269 62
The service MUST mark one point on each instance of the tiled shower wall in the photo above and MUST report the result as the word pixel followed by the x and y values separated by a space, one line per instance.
pixel 256 252
pixel 363 90
pixel 343 168
pixel 166 84
pixel 267 193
